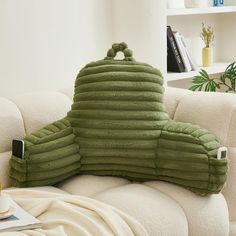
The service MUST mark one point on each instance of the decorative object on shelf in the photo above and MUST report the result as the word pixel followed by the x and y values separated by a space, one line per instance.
pixel 218 3
pixel 207 35
pixel 207 57
pixel 227 81
pixel 196 3
pixel 175 4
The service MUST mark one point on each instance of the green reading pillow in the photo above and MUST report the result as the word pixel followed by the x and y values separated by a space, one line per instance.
pixel 118 126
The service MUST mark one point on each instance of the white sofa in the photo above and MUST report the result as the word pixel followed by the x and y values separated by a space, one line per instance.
pixel 162 208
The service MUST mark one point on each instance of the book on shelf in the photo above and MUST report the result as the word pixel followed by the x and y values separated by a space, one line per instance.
pixel 182 51
pixel 19 220
pixel 189 55
pixel 174 60
pixel 179 59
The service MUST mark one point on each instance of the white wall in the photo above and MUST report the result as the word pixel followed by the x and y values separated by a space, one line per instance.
pixel 228 36
pixel 136 22
pixel 44 43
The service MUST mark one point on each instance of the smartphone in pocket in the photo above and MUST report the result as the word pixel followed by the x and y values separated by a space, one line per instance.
pixel 222 153
pixel 18 148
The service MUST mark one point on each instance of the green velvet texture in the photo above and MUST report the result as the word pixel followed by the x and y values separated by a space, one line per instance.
pixel 51 155
pixel 118 126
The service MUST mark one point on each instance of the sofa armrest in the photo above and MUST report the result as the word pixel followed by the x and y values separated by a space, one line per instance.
pixel 24 114
pixel 215 112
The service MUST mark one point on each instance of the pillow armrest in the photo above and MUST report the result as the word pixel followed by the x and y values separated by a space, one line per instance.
pixel 217 113
pixel 187 155
pixel 51 155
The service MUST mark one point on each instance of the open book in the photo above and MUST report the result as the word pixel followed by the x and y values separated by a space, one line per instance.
pixel 20 220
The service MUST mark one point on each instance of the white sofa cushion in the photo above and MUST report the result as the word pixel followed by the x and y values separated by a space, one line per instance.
pixel 4 168
pixel 163 208
pixel 90 185
pixel 206 215
pixel 41 108
pixel 172 97
pixel 210 111
pixel 158 213
pixel 11 124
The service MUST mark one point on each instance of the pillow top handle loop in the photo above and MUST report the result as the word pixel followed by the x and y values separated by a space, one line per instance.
pixel 119 47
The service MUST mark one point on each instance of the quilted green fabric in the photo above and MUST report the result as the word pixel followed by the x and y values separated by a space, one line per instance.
pixel 118 126
pixel 51 155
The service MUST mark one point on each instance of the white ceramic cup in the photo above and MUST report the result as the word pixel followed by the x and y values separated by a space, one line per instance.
pixel 4 203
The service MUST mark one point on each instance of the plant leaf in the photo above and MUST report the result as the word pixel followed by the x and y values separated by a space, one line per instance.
pixel 198 80
pixel 230 75
pixel 207 87
pixel 204 74
pixel 195 87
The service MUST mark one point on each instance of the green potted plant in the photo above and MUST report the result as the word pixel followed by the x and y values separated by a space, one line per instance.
pixel 207 35
pixel 226 82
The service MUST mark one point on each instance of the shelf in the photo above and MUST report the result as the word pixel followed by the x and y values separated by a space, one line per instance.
pixel 218 67
pixel 195 11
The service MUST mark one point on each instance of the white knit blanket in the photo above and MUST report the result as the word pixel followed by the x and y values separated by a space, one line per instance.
pixel 69 215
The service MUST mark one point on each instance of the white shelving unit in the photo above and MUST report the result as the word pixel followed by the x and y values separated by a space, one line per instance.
pixel 197 11
pixel 188 21
pixel 144 29
pixel 217 68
